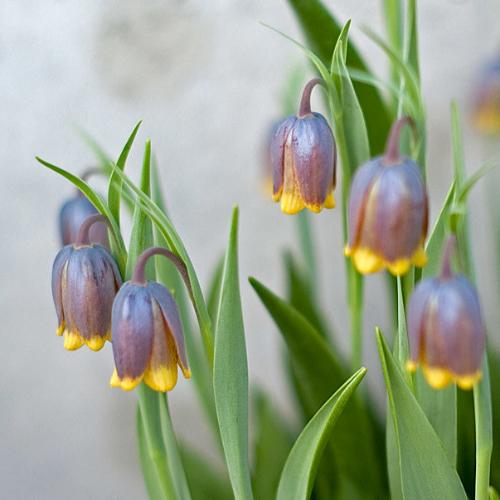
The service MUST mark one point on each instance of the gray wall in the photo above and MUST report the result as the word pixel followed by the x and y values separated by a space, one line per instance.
pixel 206 79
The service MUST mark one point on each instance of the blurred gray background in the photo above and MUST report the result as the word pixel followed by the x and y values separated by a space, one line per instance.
pixel 206 79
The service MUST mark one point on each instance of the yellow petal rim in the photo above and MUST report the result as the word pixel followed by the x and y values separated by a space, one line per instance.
pixel 72 340
pixel 487 120
pixel 367 261
pixel 292 202
pixel 125 383
pixel 96 343
pixel 439 378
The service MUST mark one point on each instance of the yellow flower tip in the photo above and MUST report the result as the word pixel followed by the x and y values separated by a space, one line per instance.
pixel 347 251
pixel 96 343
pixel 60 329
pixel 487 120
pixel 366 261
pixel 467 382
pixel 162 378
pixel 291 202
pixel 411 366
pixel 438 378
pixel 419 258
pixel 186 372
pixel 72 341
pixel 398 267
pixel 125 383
pixel 330 201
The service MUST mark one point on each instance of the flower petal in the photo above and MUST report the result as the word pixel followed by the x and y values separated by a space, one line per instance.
pixel 58 267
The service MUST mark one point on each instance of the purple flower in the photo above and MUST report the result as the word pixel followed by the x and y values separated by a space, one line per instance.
pixel 85 279
pixel 388 212
pixel 148 339
pixel 303 158
pixel 446 330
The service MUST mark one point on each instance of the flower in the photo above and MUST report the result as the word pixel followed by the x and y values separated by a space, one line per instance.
pixel 486 113
pixel 72 214
pixel 303 158
pixel 148 340
pixel 388 212
pixel 85 279
pixel 445 329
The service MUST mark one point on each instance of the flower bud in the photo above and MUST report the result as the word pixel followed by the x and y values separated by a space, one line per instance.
pixel 388 212
pixel 303 158
pixel 487 100
pixel 71 216
pixel 85 279
pixel 446 330
pixel 148 340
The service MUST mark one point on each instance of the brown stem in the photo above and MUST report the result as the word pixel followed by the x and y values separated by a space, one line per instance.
pixel 139 275
pixel 89 172
pixel 305 101
pixel 82 238
pixel 392 153
pixel 446 270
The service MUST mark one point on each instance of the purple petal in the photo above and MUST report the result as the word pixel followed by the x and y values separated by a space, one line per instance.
pixel 277 147
pixel 57 271
pixel 171 315
pixel 313 152
pixel 132 329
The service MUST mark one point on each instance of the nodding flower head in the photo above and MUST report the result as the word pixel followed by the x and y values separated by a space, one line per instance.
pixel 72 214
pixel 85 279
pixel 148 339
pixel 445 329
pixel 388 212
pixel 486 112
pixel 303 158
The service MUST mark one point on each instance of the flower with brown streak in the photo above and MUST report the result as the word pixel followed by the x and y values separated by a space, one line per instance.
pixel 85 279
pixel 72 214
pixel 388 212
pixel 486 112
pixel 303 158
pixel 445 329
pixel 148 339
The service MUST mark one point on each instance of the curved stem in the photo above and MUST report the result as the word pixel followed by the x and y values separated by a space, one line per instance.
pixel 89 172
pixel 305 101
pixel 446 270
pixel 82 237
pixel 392 153
pixel 139 275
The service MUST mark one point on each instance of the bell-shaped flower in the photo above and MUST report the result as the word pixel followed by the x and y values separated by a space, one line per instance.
pixel 148 339
pixel 446 330
pixel 388 212
pixel 486 111
pixel 303 158
pixel 72 214
pixel 85 279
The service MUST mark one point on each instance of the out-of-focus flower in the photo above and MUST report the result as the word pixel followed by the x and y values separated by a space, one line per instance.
pixel 267 166
pixel 148 340
pixel 445 329
pixel 85 279
pixel 303 158
pixel 486 112
pixel 388 212
pixel 72 214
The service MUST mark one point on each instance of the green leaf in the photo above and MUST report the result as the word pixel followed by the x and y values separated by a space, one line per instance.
pixel 425 469
pixel 153 485
pixel 300 297
pixel 493 494
pixel 494 363
pixel 119 249
pixel 321 374
pixel 206 482
pixel 322 30
pixel 300 469
pixel 167 229
pixel 141 237
pixel 273 442
pixel 231 372
pixel 213 289
pixel 115 186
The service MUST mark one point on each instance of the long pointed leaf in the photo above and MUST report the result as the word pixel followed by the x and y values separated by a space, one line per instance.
pixel 426 471
pixel 298 474
pixel 231 373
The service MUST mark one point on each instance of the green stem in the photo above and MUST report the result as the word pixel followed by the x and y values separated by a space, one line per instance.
pixel 484 433
pixel 154 442
pixel 305 237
